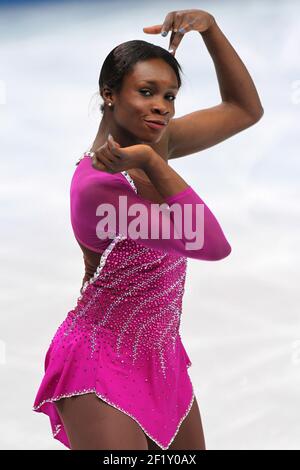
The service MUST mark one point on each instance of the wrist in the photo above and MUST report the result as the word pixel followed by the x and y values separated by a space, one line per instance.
pixel 212 25
pixel 152 161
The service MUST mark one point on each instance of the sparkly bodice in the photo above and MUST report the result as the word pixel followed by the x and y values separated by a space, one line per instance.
pixel 136 294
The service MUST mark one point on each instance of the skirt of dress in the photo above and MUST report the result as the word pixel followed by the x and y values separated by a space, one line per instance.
pixel 157 402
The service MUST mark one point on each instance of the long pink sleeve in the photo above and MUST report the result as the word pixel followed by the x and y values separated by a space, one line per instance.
pixel 91 189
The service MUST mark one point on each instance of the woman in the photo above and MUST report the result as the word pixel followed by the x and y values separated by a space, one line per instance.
pixel 116 369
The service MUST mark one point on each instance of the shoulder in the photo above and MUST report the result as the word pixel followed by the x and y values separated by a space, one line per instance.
pixel 94 185
pixel 88 181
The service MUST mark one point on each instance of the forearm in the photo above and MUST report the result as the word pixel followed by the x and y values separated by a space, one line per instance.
pixel 166 180
pixel 235 82
pixel 198 222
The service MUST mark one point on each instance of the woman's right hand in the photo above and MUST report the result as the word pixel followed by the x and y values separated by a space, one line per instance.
pixel 113 158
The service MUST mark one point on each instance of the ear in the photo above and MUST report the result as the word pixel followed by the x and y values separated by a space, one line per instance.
pixel 106 92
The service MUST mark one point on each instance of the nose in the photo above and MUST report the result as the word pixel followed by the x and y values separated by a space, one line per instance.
pixel 162 110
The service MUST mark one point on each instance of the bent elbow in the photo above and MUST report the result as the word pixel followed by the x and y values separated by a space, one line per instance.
pixel 257 115
pixel 220 253
pixel 225 252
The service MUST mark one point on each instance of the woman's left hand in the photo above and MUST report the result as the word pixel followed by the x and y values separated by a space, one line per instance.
pixel 181 22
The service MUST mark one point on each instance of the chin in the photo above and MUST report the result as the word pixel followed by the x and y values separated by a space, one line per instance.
pixel 156 138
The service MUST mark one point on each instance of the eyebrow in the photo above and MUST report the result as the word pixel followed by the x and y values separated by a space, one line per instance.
pixel 153 82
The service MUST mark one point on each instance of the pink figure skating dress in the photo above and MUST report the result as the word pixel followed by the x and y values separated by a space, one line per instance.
pixel 122 339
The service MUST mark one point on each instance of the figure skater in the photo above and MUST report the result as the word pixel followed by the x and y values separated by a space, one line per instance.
pixel 116 371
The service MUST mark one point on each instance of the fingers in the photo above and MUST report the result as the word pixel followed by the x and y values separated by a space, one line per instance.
pixel 175 40
pixel 101 159
pixel 173 22
pixel 167 24
pixel 185 27
pixel 107 157
pixel 98 164
pixel 156 29
pixel 180 27
pixel 113 145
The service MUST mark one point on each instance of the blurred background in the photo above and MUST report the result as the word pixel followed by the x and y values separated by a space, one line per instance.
pixel 240 323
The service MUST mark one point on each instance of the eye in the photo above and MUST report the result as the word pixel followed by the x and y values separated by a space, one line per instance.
pixel 145 91
pixel 148 91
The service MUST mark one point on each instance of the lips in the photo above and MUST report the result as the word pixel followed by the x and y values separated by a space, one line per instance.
pixel 154 125
pixel 157 121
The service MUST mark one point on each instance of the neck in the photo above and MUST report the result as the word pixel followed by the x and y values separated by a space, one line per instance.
pixel 108 126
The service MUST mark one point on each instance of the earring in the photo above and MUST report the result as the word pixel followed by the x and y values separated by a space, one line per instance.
pixel 109 104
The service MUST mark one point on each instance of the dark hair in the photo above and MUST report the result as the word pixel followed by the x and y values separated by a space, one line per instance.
pixel 122 59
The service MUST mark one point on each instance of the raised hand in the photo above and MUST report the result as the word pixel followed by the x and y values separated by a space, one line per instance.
pixel 181 22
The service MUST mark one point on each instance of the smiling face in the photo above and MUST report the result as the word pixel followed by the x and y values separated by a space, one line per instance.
pixel 148 93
